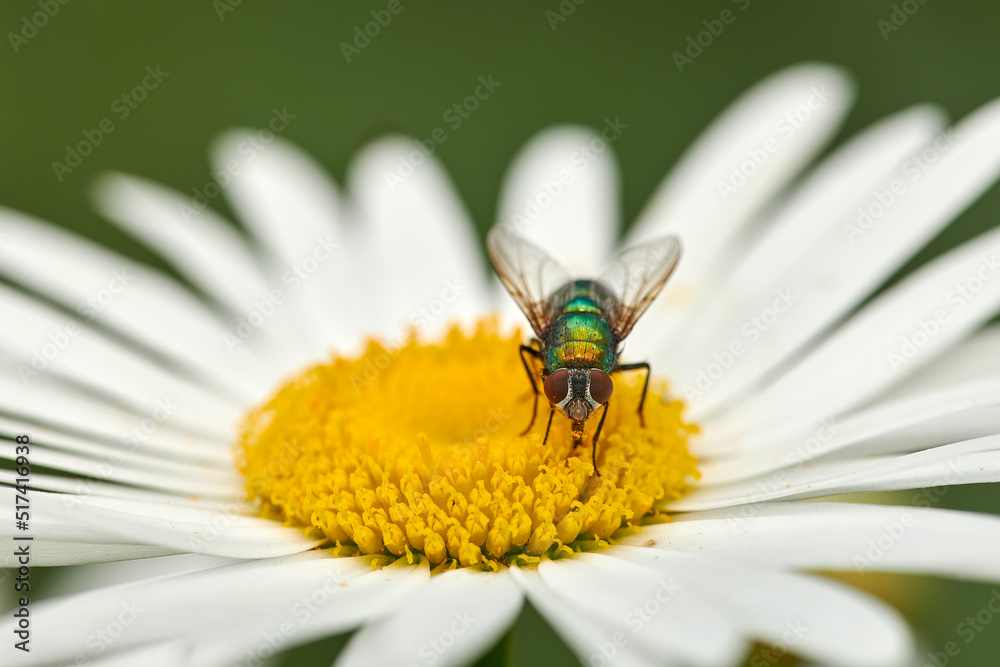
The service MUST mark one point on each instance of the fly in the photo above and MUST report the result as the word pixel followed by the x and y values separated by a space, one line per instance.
pixel 580 323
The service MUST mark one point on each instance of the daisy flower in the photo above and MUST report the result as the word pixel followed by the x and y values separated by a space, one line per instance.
pixel 317 430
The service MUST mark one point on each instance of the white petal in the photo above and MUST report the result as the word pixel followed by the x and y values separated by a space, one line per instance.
pixel 203 247
pixel 281 175
pixel 561 192
pixel 840 536
pixel 588 637
pixel 129 452
pixel 68 581
pixel 175 478
pixel 209 252
pixel 662 612
pixel 297 617
pixel 423 254
pixel 971 462
pixel 164 654
pixel 935 417
pixel 179 525
pixel 811 221
pixel 81 486
pixel 689 202
pixel 245 595
pixel 49 553
pixel 819 201
pixel 974 360
pixel 452 621
pixel 54 408
pixel 57 527
pixel 806 615
pixel 850 259
pixel 293 209
pixel 46 340
pixel 870 352
pixel 128 297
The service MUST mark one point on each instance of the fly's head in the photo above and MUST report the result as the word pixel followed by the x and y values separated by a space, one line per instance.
pixel 577 392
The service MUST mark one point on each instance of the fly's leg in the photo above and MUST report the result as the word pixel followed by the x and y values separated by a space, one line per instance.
pixel 534 387
pixel 597 434
pixel 642 365
pixel 548 426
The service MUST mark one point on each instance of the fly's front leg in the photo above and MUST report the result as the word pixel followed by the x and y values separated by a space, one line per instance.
pixel 642 365
pixel 597 434
pixel 552 413
pixel 534 387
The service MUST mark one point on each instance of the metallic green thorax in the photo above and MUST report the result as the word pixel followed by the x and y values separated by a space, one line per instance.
pixel 580 335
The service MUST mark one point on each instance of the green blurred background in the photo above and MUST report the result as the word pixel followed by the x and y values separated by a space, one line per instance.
pixel 231 64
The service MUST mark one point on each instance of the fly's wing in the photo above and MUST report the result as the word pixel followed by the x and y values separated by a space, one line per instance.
pixel 528 273
pixel 635 278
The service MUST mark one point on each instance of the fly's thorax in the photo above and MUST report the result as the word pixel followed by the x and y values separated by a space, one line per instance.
pixel 584 295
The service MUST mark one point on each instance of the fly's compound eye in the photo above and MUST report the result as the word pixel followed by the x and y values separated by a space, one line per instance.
pixel 601 386
pixel 556 385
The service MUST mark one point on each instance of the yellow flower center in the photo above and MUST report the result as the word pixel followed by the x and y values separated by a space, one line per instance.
pixel 418 449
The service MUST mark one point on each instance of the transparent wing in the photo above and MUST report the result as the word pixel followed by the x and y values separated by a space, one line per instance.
pixel 528 273
pixel 636 276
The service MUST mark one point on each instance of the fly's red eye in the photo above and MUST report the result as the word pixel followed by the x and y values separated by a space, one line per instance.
pixel 601 386
pixel 557 385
